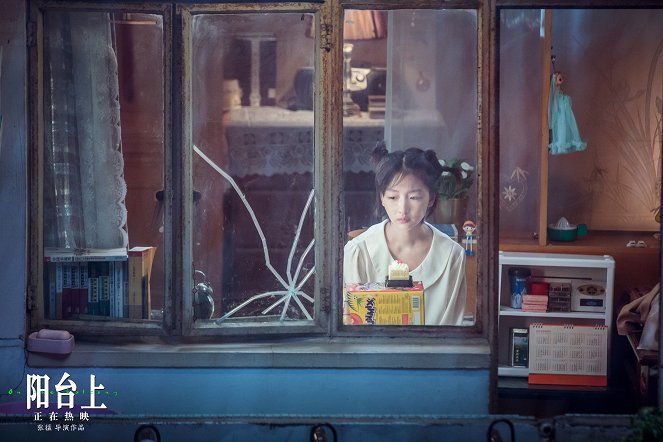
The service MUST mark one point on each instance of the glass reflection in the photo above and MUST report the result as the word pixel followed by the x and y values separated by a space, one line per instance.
pixel 253 167
pixel 413 84
pixel 103 163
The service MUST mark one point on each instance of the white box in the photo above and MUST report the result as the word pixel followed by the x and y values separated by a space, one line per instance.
pixel 588 296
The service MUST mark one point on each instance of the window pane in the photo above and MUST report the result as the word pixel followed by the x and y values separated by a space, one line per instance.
pixel 521 52
pixel 410 79
pixel 252 167
pixel 103 151
pixel 614 183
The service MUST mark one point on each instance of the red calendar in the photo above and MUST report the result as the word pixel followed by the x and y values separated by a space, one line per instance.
pixel 569 354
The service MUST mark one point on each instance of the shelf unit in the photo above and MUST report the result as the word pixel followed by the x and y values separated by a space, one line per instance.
pixel 572 268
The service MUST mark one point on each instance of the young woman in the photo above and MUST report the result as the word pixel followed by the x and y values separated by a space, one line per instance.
pixel 406 191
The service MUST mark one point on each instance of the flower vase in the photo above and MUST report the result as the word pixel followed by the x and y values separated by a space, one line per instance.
pixel 449 211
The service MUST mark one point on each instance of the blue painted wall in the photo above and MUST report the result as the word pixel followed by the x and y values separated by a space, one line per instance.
pixel 277 391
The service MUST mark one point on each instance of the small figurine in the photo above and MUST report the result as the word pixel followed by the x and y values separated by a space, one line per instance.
pixel 469 227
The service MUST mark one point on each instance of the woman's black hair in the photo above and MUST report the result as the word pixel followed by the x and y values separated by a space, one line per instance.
pixel 420 163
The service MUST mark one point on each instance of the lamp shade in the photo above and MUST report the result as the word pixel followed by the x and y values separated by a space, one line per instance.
pixel 364 25
pixel 358 25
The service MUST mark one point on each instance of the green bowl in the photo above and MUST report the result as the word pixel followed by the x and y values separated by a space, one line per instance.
pixel 562 234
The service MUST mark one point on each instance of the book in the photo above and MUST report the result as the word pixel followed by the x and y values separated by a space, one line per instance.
pixel 519 347
pixel 68 295
pixel 125 289
pixel 68 302
pixel 61 254
pixel 118 289
pixel 85 282
pixel 83 287
pixel 74 281
pixel 139 266
pixel 111 289
pixel 104 293
pixel 93 295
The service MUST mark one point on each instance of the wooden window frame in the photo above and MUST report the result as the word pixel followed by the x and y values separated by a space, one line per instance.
pixel 328 183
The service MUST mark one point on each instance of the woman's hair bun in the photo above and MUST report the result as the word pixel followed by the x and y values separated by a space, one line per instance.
pixel 379 152
pixel 431 157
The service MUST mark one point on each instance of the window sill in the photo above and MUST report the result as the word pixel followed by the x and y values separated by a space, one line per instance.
pixel 309 353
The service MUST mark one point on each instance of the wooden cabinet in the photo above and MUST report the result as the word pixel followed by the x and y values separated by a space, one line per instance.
pixel 609 186
pixel 613 184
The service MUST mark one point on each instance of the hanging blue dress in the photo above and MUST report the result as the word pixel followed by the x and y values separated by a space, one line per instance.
pixel 565 136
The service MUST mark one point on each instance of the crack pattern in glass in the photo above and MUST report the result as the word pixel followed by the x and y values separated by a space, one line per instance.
pixel 292 289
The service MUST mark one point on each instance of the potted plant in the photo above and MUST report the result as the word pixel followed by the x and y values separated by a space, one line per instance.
pixel 455 182
pixel 647 426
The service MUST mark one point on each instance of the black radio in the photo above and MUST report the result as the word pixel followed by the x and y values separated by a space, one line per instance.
pixel 364 82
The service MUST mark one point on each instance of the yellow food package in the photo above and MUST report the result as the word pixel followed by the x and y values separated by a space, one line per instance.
pixel 374 304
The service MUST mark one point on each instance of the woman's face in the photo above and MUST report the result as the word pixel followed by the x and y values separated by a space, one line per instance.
pixel 406 201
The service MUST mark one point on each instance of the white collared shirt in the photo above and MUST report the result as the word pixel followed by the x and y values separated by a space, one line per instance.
pixel 366 258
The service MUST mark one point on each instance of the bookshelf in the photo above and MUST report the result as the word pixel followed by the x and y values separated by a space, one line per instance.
pixel 84 282
pixel 96 284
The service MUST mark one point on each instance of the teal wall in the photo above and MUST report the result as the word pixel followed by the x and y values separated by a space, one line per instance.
pixel 278 391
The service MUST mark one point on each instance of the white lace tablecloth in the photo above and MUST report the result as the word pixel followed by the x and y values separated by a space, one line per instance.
pixel 269 140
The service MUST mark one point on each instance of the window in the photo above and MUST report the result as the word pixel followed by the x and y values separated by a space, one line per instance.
pixel 103 124
pixel 407 84
pixel 190 163
pixel 252 230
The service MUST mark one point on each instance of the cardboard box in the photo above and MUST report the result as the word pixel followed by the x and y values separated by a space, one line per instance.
pixel 375 304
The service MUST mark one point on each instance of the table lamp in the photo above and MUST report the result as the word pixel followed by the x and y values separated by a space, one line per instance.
pixel 357 25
